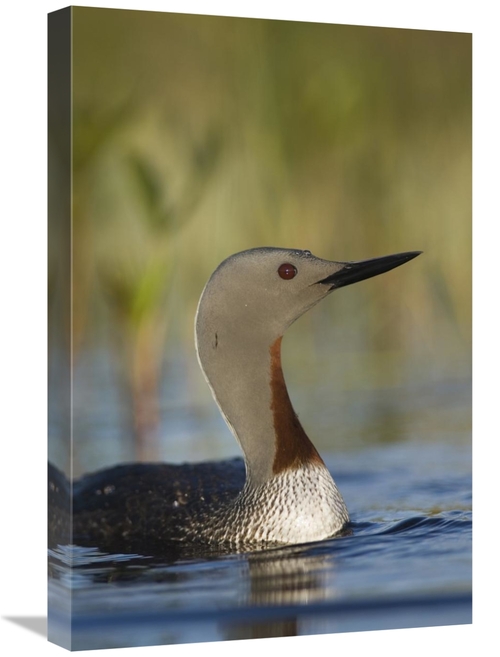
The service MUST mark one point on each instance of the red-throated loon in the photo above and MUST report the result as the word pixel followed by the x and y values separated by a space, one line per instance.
pixel 284 493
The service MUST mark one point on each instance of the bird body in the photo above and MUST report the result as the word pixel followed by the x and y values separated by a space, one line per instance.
pixel 282 492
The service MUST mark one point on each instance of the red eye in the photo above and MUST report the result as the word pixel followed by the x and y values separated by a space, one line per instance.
pixel 287 271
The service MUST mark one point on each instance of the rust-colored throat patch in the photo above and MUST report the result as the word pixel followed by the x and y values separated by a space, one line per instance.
pixel 293 447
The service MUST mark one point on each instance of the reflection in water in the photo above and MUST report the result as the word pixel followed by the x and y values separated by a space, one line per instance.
pixel 286 579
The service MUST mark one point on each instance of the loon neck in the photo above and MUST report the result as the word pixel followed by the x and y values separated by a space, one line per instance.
pixel 293 449
pixel 247 382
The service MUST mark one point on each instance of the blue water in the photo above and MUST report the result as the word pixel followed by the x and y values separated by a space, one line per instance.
pixel 407 563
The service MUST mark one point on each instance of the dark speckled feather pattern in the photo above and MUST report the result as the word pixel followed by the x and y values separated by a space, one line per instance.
pixel 144 508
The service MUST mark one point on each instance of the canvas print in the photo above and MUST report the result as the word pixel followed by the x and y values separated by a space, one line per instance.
pixel 239 447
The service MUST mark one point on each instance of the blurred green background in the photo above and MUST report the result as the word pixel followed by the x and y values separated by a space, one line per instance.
pixel 195 137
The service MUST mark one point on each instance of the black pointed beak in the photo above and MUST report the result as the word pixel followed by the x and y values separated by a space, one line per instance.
pixel 353 272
